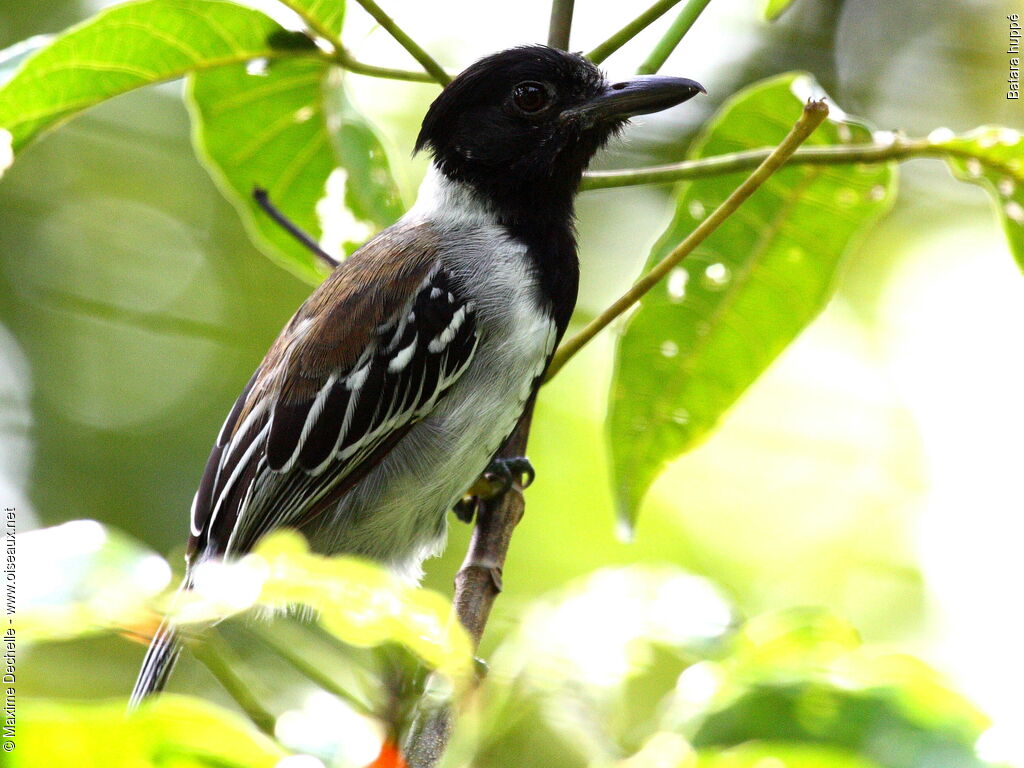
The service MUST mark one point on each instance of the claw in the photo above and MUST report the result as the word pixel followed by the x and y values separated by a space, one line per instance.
pixel 509 471
pixel 465 508
pixel 498 479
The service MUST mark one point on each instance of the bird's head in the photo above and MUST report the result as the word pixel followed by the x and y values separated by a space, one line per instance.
pixel 531 118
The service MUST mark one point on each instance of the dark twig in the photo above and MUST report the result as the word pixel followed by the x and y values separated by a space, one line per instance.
pixel 561 24
pixel 263 201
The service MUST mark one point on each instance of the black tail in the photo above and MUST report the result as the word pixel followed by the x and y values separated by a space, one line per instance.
pixel 163 651
pixel 156 667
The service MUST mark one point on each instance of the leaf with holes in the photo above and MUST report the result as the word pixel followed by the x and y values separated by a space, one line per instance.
pixel 993 157
pixel 703 336
pixel 287 126
pixel 132 45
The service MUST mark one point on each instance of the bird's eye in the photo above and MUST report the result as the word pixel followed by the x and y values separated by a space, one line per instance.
pixel 530 97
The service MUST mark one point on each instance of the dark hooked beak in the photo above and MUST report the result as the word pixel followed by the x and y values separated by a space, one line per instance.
pixel 639 96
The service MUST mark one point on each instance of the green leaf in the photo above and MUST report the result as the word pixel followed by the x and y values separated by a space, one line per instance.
pixel 323 16
pixel 168 731
pixel 793 637
pixel 6 151
pixel 993 157
pixel 802 675
pixel 132 45
pixel 779 755
pixel 106 581
pixel 11 58
pixel 699 340
pixel 288 126
pixel 775 8
pixel 359 602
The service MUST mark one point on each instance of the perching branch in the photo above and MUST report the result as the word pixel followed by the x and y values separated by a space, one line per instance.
pixel 691 11
pixel 424 58
pixel 561 24
pixel 631 30
pixel 477 584
pixel 813 115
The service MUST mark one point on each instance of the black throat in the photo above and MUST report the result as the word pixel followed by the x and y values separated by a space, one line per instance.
pixel 539 214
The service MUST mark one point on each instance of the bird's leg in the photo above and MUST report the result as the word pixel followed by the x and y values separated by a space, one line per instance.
pixel 500 476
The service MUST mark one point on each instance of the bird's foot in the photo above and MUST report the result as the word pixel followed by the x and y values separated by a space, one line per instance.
pixel 498 479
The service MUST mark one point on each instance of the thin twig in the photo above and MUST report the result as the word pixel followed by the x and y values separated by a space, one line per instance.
pixel 262 199
pixel 343 57
pixel 813 115
pixel 214 656
pixel 691 11
pixel 414 49
pixel 309 670
pixel 897 149
pixel 561 24
pixel 631 30
pixel 349 62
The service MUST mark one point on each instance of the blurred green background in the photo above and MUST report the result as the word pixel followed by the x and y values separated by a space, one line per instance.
pixel 875 469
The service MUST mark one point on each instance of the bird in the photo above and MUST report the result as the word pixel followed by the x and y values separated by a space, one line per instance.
pixel 393 386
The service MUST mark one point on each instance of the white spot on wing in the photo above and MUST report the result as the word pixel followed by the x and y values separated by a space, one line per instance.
pixel 195 529
pixel 356 379
pixel 444 338
pixel 237 471
pixel 402 358
pixel 311 418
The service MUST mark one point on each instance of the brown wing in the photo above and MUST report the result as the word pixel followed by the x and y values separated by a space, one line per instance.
pixel 368 354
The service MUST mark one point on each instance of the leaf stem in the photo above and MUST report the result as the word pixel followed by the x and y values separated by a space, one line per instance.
pixel 210 651
pixel 813 115
pixel 414 49
pixel 561 24
pixel 675 33
pixel 631 30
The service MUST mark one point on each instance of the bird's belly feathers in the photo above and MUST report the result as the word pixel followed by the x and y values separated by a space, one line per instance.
pixel 398 513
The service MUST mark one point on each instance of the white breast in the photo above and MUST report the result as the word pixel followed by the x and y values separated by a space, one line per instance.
pixel 398 512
